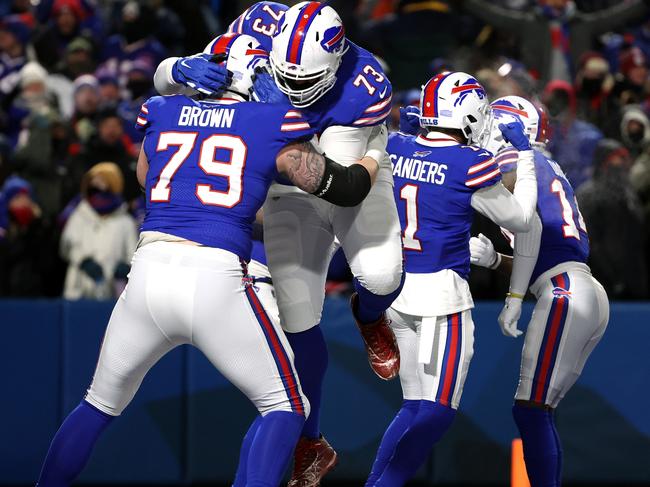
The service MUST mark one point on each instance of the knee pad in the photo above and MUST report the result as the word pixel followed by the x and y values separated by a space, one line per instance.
pixel 391 287
pixel 387 282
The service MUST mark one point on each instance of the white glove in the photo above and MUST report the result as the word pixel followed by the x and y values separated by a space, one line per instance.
pixel 509 316
pixel 377 143
pixel 482 252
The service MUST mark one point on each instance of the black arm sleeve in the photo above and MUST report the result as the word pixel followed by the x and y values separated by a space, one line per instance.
pixel 343 186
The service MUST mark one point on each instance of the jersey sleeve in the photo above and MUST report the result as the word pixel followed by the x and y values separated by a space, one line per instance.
pixel 151 110
pixel 482 172
pixel 142 122
pixel 507 160
pixel 294 125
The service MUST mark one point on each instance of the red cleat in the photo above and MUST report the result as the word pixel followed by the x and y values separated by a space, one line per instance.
pixel 313 459
pixel 380 342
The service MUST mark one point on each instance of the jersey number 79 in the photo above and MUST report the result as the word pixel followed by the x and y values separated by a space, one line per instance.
pixel 233 170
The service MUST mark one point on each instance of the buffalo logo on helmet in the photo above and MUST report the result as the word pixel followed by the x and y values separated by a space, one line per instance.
pixel 505 109
pixel 469 86
pixel 333 39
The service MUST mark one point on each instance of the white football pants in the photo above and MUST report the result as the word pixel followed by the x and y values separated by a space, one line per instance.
pixel 183 294
pixel 435 353
pixel 299 238
pixel 568 321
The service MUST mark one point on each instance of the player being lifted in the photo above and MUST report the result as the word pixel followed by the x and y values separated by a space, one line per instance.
pixel 206 170
pixel 339 89
pixel 441 178
pixel 572 310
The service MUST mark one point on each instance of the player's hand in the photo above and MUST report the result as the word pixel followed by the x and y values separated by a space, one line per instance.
pixel 482 251
pixel 509 317
pixel 513 132
pixel 201 73
pixel 264 88
pixel 92 269
pixel 409 120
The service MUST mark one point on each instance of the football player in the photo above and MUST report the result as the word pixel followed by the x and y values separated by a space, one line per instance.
pixel 341 90
pixel 441 179
pixel 572 309
pixel 205 169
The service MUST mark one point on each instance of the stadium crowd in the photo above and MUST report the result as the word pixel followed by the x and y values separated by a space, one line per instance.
pixel 74 73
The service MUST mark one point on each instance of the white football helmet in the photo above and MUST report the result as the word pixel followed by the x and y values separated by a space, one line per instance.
pixel 455 101
pixel 307 52
pixel 515 108
pixel 243 54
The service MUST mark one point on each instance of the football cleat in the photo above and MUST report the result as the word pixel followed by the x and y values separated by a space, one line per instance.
pixel 313 459
pixel 380 342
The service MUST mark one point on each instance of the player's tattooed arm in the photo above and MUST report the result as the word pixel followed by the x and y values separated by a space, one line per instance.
pixel 315 173
pixel 303 165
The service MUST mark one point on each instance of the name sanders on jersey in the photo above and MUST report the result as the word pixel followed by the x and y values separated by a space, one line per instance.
pixel 417 170
pixel 206 117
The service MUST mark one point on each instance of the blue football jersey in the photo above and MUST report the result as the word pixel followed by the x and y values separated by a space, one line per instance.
pixel 564 235
pixel 435 178
pixel 211 163
pixel 361 96
pixel 362 93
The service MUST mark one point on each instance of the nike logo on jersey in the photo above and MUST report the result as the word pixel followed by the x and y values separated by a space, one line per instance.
pixel 183 63
pixel 383 92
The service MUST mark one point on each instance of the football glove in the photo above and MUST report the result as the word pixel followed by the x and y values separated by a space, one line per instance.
pixel 482 252
pixel 409 120
pixel 201 73
pixel 513 133
pixel 264 88
pixel 509 317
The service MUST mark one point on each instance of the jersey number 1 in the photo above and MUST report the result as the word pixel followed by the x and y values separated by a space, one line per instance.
pixel 233 170
pixel 409 193
pixel 570 229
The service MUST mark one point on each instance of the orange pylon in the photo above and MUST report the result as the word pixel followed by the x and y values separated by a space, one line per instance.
pixel 518 474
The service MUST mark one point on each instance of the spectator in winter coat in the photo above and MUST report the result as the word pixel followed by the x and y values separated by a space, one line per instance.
pixel 28 261
pixel 614 219
pixel 52 40
pixel 99 238
pixel 632 80
pixel 110 143
pixel 572 141
pixel 87 101
pixel 594 84
pixel 635 130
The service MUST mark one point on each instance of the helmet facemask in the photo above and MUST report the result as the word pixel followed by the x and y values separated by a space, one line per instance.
pixel 474 127
pixel 302 89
